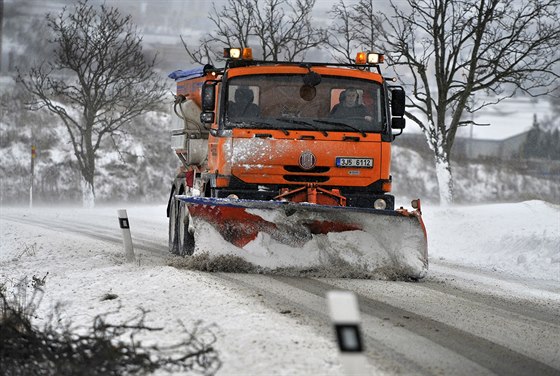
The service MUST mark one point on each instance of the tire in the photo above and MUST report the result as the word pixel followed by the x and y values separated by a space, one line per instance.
pixel 181 240
pixel 186 242
pixel 173 233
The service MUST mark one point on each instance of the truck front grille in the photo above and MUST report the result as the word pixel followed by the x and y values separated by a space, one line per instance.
pixel 306 178
pixel 314 170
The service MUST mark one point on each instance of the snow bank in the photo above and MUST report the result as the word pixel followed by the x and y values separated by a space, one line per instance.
pixel 521 239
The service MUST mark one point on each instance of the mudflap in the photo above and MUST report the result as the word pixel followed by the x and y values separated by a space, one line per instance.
pixel 277 234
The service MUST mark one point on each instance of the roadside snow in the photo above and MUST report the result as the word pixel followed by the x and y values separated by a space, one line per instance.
pixel 251 338
pixel 521 239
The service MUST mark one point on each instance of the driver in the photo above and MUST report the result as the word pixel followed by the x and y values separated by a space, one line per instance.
pixel 350 107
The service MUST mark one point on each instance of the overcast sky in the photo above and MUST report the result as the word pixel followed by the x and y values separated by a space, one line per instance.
pixel 162 21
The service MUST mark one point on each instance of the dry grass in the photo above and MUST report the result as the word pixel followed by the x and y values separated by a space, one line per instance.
pixel 59 349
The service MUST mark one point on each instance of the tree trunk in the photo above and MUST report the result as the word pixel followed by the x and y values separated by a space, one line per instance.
pixel 88 170
pixel 445 179
pixel 436 142
pixel 88 194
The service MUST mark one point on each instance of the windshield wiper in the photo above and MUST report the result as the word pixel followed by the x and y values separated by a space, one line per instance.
pixel 301 122
pixel 343 124
pixel 257 123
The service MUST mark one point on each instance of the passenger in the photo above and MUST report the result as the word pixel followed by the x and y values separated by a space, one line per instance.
pixel 350 107
pixel 243 105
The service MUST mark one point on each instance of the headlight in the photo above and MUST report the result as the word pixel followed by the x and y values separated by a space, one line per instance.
pixel 238 53
pixel 371 58
pixel 380 204
pixel 374 58
pixel 232 53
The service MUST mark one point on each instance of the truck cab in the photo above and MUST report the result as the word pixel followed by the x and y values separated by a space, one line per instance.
pixel 302 132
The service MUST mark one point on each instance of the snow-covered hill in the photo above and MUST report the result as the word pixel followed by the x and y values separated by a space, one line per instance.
pixel 414 176
pixel 141 169
pixel 136 164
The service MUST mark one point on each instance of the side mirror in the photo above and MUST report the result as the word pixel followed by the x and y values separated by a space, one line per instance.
pixel 398 99
pixel 398 123
pixel 208 96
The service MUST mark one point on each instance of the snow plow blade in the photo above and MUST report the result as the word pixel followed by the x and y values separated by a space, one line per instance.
pixel 277 234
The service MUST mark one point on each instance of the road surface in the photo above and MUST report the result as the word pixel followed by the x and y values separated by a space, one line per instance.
pixel 457 321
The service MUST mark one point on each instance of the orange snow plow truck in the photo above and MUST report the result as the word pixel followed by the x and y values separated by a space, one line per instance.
pixel 288 165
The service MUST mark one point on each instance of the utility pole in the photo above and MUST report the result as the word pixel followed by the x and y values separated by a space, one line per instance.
pixel 1 27
pixel 33 156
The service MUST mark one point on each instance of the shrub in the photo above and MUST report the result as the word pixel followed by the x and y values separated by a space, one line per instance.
pixel 59 349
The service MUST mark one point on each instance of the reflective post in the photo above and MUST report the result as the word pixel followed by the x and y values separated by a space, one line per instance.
pixel 345 316
pixel 127 238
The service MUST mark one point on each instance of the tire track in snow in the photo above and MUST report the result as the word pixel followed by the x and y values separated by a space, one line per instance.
pixel 311 310
pixel 489 353
pixel 406 342
pixel 108 234
pixel 523 307
pixel 445 267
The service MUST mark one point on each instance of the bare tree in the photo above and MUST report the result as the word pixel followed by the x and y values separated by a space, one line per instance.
pixel 355 27
pixel 97 82
pixel 282 29
pixel 454 50
pixel 233 25
pixel 342 36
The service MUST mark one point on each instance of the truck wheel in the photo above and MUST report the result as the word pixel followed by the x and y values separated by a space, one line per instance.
pixel 185 239
pixel 173 216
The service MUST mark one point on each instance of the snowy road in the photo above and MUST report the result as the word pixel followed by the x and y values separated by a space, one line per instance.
pixel 460 320
pixel 408 333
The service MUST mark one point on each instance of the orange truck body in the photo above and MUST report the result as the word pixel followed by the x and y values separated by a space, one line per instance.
pixel 244 159
pixel 297 155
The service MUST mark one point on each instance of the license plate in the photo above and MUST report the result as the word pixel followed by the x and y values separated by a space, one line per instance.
pixel 354 162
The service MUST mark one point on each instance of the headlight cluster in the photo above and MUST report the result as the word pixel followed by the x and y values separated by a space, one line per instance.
pixel 371 58
pixel 238 53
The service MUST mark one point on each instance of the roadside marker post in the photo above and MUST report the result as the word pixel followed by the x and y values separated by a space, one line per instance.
pixel 345 316
pixel 127 238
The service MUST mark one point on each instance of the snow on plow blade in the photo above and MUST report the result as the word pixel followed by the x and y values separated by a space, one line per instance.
pixel 276 234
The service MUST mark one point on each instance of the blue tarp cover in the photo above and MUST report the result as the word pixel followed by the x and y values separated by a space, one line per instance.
pixel 180 75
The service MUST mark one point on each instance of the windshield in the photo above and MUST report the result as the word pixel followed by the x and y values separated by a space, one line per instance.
pixel 283 102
